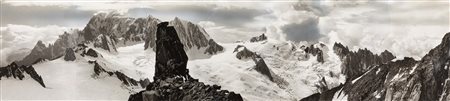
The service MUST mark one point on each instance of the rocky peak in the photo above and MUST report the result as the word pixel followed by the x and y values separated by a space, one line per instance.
pixel 108 23
pixel 109 30
pixel 50 52
pixel 40 45
pixel 434 68
pixel 316 51
pixel 69 55
pixel 19 71
pixel 386 56
pixel 356 63
pixel 262 37
pixel 244 53
pixel 192 35
pixel 340 50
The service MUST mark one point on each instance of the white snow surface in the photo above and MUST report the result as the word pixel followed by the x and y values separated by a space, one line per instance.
pixel 238 75
pixel 64 81
pixel 74 80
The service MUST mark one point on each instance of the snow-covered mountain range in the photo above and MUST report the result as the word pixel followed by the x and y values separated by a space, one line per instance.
pixel 113 57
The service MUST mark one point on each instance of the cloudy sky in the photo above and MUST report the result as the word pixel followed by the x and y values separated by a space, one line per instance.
pixel 407 28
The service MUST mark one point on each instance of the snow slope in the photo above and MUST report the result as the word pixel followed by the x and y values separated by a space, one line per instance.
pixel 65 81
pixel 133 61
pixel 74 80
pixel 238 75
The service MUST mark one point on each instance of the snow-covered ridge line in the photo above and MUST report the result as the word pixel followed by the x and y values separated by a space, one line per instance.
pixel 406 79
pixel 109 30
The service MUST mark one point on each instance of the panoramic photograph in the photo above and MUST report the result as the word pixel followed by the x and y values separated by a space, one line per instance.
pixel 225 50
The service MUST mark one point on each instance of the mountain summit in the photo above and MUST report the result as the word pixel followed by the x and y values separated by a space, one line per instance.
pixel 110 30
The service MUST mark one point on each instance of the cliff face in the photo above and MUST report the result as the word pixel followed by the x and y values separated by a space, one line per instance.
pixel 171 59
pixel 172 80
pixel 356 63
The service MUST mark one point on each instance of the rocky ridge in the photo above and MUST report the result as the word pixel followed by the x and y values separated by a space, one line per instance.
pixel 407 79
pixel 109 30
pixel 242 53
pixel 356 63
pixel 262 37
pixel 19 72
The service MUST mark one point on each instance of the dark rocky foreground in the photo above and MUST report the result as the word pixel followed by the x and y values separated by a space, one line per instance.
pixel 382 79
pixel 19 72
pixel 172 80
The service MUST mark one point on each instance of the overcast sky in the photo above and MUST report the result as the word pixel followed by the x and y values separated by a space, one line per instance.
pixel 407 28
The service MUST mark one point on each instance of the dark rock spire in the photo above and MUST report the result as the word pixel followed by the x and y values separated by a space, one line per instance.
pixel 171 59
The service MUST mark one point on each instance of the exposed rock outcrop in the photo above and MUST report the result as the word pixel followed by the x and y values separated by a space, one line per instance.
pixel 356 63
pixel 260 65
pixel 106 43
pixel 213 48
pixel 262 37
pixel 91 53
pixel 316 51
pixel 374 83
pixel 128 81
pixel 324 96
pixel 70 55
pixel 172 80
pixel 244 53
pixel 18 72
pixel 50 52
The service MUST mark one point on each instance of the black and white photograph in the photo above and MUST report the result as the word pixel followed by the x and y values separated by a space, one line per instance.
pixel 224 50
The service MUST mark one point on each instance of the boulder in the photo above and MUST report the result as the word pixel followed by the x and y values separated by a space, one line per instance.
pixel 91 53
pixel 70 55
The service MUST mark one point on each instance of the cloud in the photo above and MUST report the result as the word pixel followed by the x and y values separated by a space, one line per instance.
pixel 17 39
pixel 312 6
pixel 226 34
pixel 304 31
pixel 44 15
pixel 404 28
pixel 229 16
pixel 241 18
